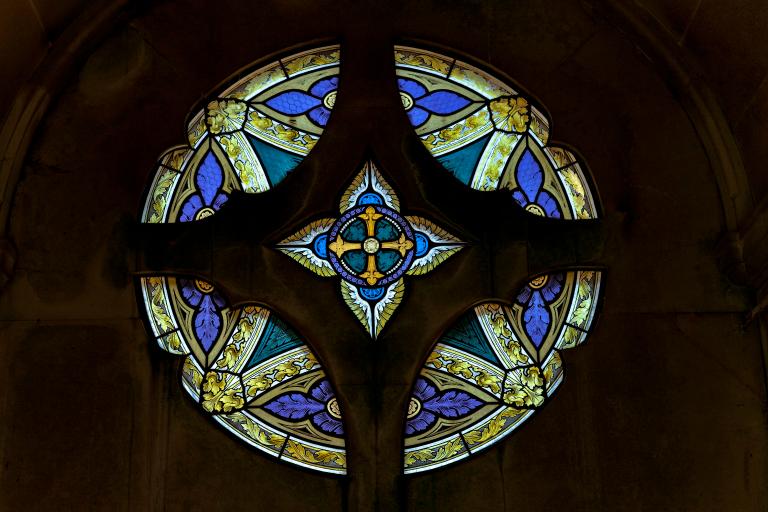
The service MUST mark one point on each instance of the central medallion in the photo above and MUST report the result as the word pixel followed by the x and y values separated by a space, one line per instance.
pixel 371 246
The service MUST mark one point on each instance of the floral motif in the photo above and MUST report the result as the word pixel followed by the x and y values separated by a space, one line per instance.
pixel 320 405
pixel 427 405
pixel 316 104
pixel 535 297
pixel 209 179
pixel 420 104
pixel 225 115
pixel 530 193
pixel 510 114
pixel 371 246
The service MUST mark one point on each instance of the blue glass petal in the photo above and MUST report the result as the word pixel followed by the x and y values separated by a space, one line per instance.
pixel 320 115
pixel 415 89
pixel 524 295
pixel 356 259
pixel 536 319
pixel 417 116
pixel 549 205
pixel 191 294
pixel 320 245
pixel 322 391
pixel 207 322
pixel 423 390
pixel 553 287
pixel 422 244
pixel 190 208
pixel 328 423
pixel 443 102
pixel 453 404
pixel 385 231
pixel 324 86
pixel 209 177
pixel 293 102
pixel 219 201
pixel 420 422
pixel 529 176
pixel 294 406
pixel 386 260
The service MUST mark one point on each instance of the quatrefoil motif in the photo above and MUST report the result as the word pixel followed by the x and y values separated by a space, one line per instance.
pixel 371 246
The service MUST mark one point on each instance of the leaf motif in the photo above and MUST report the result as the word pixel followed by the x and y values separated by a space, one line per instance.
pixel 386 306
pixel 453 404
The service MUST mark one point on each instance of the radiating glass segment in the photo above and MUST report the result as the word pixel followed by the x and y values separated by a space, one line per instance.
pixel 247 137
pixel 371 246
pixel 489 135
pixel 495 367
pixel 249 371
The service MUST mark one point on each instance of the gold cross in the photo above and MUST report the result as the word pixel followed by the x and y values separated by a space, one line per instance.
pixel 371 274
pixel 402 245
pixel 370 217
pixel 340 246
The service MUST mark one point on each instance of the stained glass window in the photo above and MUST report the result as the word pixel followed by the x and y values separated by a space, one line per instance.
pixel 490 371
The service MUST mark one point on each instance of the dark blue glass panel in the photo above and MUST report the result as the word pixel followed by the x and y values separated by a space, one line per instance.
pixel 386 231
pixel 207 322
pixel 357 260
pixel 467 334
pixel 462 163
pixel 536 319
pixel 386 260
pixel 276 162
pixel 276 338
pixel 355 232
pixel 417 116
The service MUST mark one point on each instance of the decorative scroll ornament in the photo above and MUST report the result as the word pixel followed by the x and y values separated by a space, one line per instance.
pixel 495 367
pixel 371 246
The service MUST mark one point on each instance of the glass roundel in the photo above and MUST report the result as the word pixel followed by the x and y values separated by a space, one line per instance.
pixel 247 137
pixel 489 135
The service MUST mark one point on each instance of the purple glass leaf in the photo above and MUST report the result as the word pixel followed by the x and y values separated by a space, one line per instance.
pixel 293 102
pixel 294 406
pixel 529 176
pixel 420 422
pixel 319 115
pixel 417 116
pixel 322 391
pixel 415 89
pixel 443 102
pixel 324 86
pixel 524 295
pixel 191 294
pixel 328 423
pixel 553 287
pixel 190 208
pixel 453 404
pixel 520 197
pixel 536 319
pixel 209 177
pixel 423 390
pixel 207 322
pixel 549 205
pixel 219 201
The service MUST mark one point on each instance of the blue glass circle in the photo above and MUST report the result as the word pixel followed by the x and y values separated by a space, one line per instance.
pixel 422 244
pixel 320 245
